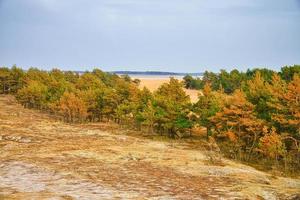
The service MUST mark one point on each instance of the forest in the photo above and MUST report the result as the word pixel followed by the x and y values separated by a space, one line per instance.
pixel 253 116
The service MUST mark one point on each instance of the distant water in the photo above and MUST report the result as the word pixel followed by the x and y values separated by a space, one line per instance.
pixel 150 76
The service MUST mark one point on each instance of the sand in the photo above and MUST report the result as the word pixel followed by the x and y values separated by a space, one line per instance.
pixel 153 83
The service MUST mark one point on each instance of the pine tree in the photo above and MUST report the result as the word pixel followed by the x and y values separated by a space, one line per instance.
pixel 271 144
pixel 286 103
pixel 259 95
pixel 33 95
pixel 72 108
pixel 206 107
pixel 172 110
pixel 237 122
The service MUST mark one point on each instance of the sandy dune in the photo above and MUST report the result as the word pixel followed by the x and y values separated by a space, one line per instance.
pixel 41 158
pixel 154 83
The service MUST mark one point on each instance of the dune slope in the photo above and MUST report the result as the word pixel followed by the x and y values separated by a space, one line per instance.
pixel 41 158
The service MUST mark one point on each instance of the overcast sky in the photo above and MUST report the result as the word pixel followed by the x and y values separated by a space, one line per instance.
pixel 164 35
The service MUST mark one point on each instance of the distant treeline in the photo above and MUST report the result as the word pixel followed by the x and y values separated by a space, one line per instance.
pixel 253 116
pixel 230 81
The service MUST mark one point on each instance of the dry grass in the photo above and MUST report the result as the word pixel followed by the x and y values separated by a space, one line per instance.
pixel 41 158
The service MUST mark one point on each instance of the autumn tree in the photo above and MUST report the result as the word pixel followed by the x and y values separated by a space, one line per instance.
pixel 237 123
pixel 71 77
pixel 124 112
pixel 140 102
pixel 286 117
pixel 129 101
pixel 272 144
pixel 148 116
pixel 89 81
pixel 109 102
pixel 92 99
pixel 106 78
pixel 4 79
pixel 33 95
pixel 57 85
pixel 36 75
pixel 286 102
pixel 72 108
pixel 15 79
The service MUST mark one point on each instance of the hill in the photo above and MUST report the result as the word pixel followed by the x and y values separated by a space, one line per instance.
pixel 42 158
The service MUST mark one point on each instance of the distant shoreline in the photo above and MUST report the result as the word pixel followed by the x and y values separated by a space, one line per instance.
pixel 155 73
pixel 150 74
pixel 151 77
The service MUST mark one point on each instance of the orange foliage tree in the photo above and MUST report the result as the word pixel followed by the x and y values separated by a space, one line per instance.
pixel 237 123
pixel 286 117
pixel 72 108
pixel 271 144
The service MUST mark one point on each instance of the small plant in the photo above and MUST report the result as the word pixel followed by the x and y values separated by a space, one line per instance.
pixel 212 154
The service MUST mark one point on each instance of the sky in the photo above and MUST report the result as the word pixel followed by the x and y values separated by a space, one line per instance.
pixel 144 35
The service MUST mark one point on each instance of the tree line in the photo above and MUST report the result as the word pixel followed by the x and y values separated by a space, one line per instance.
pixel 253 116
pixel 230 81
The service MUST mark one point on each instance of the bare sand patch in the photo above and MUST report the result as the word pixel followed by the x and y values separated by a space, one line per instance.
pixel 154 83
